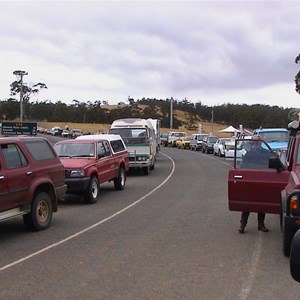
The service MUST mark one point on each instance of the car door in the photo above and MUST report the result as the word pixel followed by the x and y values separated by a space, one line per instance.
pixel 105 163
pixel 253 187
pixel 3 187
pixel 17 176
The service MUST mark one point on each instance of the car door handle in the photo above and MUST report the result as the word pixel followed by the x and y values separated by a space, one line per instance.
pixel 29 173
pixel 238 176
pixel 1 177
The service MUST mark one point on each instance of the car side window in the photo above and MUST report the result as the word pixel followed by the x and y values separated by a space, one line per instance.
pixel 253 154
pixel 107 149
pixel 40 150
pixel 117 146
pixel 13 156
pixel 100 149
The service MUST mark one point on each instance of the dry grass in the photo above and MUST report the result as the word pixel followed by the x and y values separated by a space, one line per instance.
pixel 207 127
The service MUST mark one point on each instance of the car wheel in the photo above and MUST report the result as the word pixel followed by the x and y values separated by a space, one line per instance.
pixel 219 153
pixel 287 238
pixel 92 192
pixel 146 170
pixel 294 257
pixel 41 212
pixel 119 182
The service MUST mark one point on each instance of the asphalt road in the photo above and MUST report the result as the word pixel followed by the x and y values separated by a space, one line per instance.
pixel 168 235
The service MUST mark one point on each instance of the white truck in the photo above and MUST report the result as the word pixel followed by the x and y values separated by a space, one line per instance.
pixel 140 139
pixel 156 126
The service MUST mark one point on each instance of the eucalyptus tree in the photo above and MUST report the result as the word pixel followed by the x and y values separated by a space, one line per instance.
pixel 25 90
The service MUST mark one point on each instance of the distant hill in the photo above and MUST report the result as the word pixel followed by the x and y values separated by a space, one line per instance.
pixel 190 124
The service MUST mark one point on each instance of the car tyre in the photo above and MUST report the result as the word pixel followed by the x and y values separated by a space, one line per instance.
pixel 119 182
pixel 92 192
pixel 146 170
pixel 287 238
pixel 41 212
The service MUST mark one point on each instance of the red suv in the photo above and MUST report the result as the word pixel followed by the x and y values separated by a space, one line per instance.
pixel 32 180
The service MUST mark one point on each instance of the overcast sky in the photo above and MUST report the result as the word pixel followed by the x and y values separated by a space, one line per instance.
pixel 215 52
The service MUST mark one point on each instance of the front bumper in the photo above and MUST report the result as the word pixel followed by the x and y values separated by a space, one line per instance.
pixel 77 184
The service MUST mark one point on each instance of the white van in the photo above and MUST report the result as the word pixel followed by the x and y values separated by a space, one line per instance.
pixel 140 139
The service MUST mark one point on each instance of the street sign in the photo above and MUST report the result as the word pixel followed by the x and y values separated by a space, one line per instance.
pixel 18 128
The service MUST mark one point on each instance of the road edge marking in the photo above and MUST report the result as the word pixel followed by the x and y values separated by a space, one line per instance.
pixel 92 226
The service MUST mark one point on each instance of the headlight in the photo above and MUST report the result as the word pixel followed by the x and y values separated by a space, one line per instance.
pixel 77 173
pixel 142 158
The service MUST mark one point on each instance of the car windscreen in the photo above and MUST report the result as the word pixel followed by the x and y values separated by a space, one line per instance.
pixel 132 135
pixel 75 149
pixel 274 136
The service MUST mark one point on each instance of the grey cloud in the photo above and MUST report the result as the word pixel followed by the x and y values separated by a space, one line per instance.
pixel 170 47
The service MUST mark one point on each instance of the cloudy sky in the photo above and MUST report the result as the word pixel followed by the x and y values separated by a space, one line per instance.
pixel 215 52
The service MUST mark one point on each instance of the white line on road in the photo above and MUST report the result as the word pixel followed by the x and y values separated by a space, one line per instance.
pixel 92 226
pixel 248 280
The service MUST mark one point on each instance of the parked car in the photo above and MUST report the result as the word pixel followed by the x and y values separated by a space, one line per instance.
pixel 56 131
pixel 32 180
pixel 91 160
pixel 66 133
pixel 236 149
pixel 75 133
pixel 183 143
pixel 196 141
pixel 164 139
pixel 208 143
pixel 173 136
pixel 219 146
pixel 276 138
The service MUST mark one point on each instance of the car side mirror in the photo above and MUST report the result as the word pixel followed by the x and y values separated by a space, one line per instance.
pixel 295 257
pixel 276 163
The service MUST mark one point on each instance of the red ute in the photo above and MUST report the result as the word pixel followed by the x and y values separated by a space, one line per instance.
pixel 91 160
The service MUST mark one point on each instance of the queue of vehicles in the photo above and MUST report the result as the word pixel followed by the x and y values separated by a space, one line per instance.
pixel 35 175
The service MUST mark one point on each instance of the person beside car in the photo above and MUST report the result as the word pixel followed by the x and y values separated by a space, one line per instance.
pixel 256 157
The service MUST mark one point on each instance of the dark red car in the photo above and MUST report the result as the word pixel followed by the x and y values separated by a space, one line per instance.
pixel 91 160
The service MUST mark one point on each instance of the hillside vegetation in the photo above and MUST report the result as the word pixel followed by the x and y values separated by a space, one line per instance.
pixel 182 116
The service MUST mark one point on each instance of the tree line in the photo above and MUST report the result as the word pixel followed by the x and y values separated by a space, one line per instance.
pixel 250 116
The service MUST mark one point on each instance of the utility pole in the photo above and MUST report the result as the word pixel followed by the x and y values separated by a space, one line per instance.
pixel 171 113
pixel 20 75
pixel 212 120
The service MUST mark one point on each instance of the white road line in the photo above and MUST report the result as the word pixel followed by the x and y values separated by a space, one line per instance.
pixel 248 280
pixel 92 226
